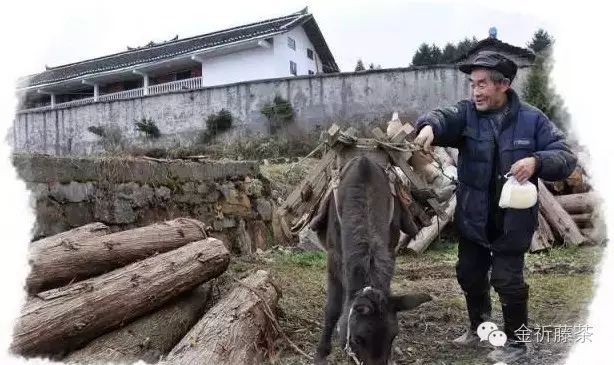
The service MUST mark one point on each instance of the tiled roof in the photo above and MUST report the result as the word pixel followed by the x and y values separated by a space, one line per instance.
pixel 500 45
pixel 156 52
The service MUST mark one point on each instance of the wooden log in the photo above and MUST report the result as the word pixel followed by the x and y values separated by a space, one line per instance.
pixel 428 234
pixel 578 203
pixel 443 157
pixel 558 219
pixel 538 244
pixel 416 180
pixel 583 220
pixel 422 164
pixel 55 265
pixel 577 182
pixel 69 238
pixel 63 319
pixel 237 330
pixel 298 208
pixel 598 232
pixel 453 152
pixel 402 133
pixel 150 337
pixel 544 228
pixel 543 237
pixel 556 187
pixel 393 125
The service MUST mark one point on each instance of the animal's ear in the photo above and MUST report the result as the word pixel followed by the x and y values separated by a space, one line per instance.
pixel 408 301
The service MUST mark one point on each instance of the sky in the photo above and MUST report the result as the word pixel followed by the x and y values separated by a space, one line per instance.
pixel 384 32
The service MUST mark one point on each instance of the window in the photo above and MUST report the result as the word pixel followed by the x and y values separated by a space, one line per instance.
pixel 311 72
pixel 291 43
pixel 293 68
pixel 310 54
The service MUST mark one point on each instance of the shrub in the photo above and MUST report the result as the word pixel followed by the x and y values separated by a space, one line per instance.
pixel 148 127
pixel 279 113
pixel 110 137
pixel 219 122
pixel 99 131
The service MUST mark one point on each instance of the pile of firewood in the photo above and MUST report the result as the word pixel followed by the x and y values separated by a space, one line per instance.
pixel 425 182
pixel 428 182
pixel 569 212
pixel 141 294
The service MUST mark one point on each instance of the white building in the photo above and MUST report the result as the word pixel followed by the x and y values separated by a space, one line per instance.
pixel 291 45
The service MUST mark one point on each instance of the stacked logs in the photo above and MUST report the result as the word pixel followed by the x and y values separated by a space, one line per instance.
pixel 425 182
pixel 568 212
pixel 139 294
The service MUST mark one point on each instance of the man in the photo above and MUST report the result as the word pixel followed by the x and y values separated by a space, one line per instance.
pixel 495 133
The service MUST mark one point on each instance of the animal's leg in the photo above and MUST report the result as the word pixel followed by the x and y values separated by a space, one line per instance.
pixel 334 304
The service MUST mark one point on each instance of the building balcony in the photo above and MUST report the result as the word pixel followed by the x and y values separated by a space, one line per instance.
pixel 162 88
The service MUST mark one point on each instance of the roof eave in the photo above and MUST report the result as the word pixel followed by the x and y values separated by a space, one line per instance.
pixel 145 64
pixel 329 65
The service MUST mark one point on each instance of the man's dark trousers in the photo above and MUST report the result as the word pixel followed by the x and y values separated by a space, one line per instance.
pixel 506 276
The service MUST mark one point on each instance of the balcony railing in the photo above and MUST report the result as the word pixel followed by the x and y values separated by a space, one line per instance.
pixel 76 102
pixel 122 95
pixel 185 84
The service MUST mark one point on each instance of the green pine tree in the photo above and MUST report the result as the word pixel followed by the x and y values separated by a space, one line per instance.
pixel 448 53
pixel 422 56
pixel 541 41
pixel 435 55
pixel 537 89
pixel 359 65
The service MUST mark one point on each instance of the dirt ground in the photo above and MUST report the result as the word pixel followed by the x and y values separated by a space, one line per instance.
pixel 560 280
pixel 561 287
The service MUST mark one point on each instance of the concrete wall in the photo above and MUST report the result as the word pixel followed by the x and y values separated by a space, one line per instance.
pixel 319 100
pixel 128 193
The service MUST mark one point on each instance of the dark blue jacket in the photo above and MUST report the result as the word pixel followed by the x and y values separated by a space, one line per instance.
pixel 525 132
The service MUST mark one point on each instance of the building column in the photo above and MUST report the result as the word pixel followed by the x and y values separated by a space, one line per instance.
pixel 96 92
pixel 145 84
pixel 51 96
pixel 145 81
pixel 94 85
pixel 199 58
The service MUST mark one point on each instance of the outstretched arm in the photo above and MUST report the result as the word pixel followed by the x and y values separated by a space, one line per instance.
pixel 446 123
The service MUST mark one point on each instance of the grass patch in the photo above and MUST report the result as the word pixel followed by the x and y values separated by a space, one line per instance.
pixel 573 256
pixel 290 174
pixel 315 259
pixel 444 251
pixel 559 299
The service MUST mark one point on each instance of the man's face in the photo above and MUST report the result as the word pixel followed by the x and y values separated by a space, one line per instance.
pixel 487 94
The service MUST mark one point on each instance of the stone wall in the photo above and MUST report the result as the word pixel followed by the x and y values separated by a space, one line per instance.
pixel 318 100
pixel 231 197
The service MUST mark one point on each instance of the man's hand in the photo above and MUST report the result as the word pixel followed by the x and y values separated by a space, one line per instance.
pixel 524 169
pixel 425 137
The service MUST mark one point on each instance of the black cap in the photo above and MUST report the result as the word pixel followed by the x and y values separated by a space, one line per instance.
pixel 491 60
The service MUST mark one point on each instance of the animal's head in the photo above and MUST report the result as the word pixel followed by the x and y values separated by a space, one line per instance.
pixel 370 324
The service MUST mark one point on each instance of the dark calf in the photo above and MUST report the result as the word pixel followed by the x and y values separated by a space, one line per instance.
pixel 360 236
